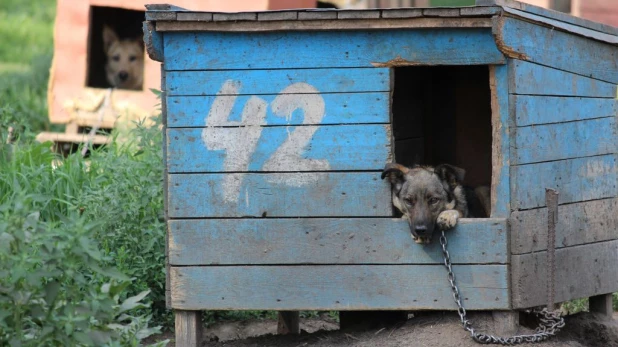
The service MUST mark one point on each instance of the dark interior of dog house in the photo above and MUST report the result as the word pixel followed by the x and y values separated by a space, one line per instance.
pixel 126 23
pixel 442 114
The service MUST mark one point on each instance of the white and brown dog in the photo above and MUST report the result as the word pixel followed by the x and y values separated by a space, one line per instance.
pixel 125 60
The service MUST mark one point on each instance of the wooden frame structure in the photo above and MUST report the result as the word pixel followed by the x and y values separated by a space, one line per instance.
pixel 277 125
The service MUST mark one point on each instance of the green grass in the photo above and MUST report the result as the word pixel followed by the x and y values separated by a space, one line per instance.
pixel 26 46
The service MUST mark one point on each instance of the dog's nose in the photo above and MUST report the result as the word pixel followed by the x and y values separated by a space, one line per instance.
pixel 123 75
pixel 420 229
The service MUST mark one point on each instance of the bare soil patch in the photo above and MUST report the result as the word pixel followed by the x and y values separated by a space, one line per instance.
pixel 439 329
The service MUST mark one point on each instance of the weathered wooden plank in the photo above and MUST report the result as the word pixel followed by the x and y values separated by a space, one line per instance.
pixel 277 15
pixel 581 271
pixel 194 16
pixel 322 22
pixel 533 110
pixel 153 41
pixel 358 14
pixel 480 11
pixel 402 13
pixel 579 179
pixel 341 147
pixel 441 12
pixel 188 328
pixel 339 108
pixel 270 50
pixel 578 223
pixel 559 25
pixel 288 323
pixel 317 15
pixel 234 16
pixel 557 141
pixel 160 15
pixel 557 49
pixel 300 81
pixel 500 125
pixel 330 241
pixel 533 79
pixel 279 195
pixel 337 287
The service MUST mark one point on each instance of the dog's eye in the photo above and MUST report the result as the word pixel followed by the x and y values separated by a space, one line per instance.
pixel 409 202
pixel 433 201
pixel 132 58
pixel 116 57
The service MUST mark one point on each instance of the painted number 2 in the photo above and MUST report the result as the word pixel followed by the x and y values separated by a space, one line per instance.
pixel 240 139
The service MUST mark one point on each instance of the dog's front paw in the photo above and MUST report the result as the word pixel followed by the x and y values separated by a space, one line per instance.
pixel 448 219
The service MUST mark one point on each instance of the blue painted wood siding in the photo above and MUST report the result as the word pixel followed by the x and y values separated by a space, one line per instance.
pixel 290 50
pixel 260 125
pixel 558 49
pixel 564 136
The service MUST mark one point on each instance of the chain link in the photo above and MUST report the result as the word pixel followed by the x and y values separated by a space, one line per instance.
pixel 550 322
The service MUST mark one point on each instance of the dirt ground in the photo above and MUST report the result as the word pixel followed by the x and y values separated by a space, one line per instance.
pixel 439 329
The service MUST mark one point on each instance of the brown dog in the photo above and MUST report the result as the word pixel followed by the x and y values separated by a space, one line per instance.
pixel 125 60
pixel 429 196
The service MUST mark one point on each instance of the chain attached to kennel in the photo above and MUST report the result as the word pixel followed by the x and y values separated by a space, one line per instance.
pixel 551 322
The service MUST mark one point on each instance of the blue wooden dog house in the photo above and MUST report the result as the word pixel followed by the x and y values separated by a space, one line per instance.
pixel 278 124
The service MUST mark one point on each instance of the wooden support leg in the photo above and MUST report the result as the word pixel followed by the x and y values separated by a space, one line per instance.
pixel 601 304
pixel 506 322
pixel 188 328
pixel 289 323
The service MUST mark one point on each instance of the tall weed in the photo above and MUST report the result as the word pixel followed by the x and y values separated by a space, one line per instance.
pixel 68 274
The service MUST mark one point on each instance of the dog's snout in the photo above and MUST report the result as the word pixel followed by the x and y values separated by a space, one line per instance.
pixel 420 229
pixel 123 75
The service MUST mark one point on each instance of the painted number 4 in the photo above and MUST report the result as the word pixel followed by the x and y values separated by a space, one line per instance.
pixel 240 139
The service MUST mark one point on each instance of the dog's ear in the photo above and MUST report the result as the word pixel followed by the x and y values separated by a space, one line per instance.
pixel 396 174
pixel 109 37
pixel 450 174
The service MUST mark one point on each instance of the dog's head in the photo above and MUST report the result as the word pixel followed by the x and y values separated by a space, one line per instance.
pixel 422 193
pixel 125 60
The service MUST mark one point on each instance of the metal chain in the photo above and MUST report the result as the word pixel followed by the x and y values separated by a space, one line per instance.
pixel 550 322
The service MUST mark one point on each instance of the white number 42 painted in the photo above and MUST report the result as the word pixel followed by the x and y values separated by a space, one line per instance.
pixel 240 139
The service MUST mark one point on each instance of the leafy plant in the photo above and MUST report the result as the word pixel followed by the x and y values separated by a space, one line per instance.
pixel 47 272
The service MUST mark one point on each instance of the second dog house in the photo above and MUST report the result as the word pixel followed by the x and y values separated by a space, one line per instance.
pixel 278 124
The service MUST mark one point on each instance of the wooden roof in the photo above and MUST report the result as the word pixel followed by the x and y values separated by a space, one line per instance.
pixel 172 18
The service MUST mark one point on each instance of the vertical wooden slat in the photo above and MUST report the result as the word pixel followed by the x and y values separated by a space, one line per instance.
pixel 168 301
pixel 188 328
pixel 500 123
pixel 289 323
pixel 602 304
